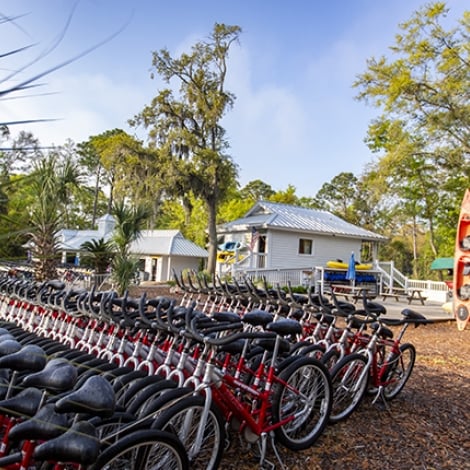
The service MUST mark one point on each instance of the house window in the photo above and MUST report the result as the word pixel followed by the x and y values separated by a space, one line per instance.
pixel 305 246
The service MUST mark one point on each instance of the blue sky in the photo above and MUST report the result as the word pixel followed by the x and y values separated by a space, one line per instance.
pixel 295 120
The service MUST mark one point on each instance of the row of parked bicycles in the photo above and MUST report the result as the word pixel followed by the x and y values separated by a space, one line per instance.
pixel 93 380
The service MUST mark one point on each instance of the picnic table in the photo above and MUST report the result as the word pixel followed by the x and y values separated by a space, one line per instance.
pixel 416 294
pixel 353 292
pixel 410 294
pixel 396 293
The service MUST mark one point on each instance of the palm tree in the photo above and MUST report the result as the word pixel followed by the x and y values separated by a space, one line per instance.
pixel 98 254
pixel 129 222
pixel 45 219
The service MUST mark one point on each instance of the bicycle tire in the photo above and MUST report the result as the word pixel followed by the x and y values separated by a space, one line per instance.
pixel 399 371
pixel 331 358
pixel 152 408
pixel 144 449
pixel 315 351
pixel 109 430
pixel 303 394
pixel 347 392
pixel 136 386
pixel 183 418
pixel 150 392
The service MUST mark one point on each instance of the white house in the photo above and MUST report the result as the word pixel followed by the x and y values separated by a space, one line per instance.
pixel 159 251
pixel 281 236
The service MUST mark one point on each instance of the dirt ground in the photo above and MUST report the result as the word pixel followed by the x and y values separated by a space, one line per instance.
pixel 426 427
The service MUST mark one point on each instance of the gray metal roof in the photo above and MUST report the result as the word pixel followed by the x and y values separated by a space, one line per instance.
pixel 72 240
pixel 151 242
pixel 167 242
pixel 286 217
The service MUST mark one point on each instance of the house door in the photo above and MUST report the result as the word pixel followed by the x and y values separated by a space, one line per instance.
pixel 261 251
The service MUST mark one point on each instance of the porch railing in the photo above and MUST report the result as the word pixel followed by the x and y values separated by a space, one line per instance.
pixel 295 276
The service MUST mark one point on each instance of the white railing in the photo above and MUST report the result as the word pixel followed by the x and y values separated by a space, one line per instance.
pixel 391 276
pixel 282 277
pixel 434 290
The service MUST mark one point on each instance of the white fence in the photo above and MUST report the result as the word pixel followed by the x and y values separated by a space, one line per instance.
pixel 433 290
pixel 296 276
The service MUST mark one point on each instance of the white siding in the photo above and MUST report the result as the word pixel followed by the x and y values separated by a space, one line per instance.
pixel 179 264
pixel 283 249
pixel 333 247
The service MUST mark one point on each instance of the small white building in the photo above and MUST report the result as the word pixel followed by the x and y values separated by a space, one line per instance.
pixel 281 236
pixel 159 251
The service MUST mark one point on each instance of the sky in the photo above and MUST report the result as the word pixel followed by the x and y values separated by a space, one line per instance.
pixel 295 120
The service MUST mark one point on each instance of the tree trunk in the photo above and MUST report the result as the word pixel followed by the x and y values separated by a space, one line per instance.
pixel 95 199
pixel 212 228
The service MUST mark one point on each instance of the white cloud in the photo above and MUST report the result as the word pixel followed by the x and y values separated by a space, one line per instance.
pixel 81 106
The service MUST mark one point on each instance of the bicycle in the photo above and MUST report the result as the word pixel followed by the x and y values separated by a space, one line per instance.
pixel 383 366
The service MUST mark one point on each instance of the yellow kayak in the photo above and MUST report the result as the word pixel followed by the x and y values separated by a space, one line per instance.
pixel 341 265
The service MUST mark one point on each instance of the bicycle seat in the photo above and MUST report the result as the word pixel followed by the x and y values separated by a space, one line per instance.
pixel 58 375
pixel 230 317
pixel 78 445
pixel 235 347
pixel 258 318
pixel 268 344
pixel 25 403
pixel 285 327
pixel 9 345
pixel 30 357
pixel 96 396
pixel 45 424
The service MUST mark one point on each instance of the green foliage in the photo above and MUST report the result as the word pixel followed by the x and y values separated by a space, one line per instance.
pixel 129 223
pixel 285 197
pixel 124 269
pixel 257 190
pixel 97 254
pixel 45 218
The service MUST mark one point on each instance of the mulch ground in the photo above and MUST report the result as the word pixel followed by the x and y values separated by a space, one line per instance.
pixel 427 426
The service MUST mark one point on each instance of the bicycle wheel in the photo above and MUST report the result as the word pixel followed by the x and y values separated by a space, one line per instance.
pixel 184 418
pixel 149 393
pixel 398 371
pixel 144 450
pixel 349 381
pixel 302 398
pixel 331 358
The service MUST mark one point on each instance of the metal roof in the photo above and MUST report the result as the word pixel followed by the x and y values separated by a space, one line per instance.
pixel 73 239
pixel 167 242
pixel 442 263
pixel 151 242
pixel 286 217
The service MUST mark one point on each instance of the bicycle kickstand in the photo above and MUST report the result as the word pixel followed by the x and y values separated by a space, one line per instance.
pixel 380 394
pixel 264 463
